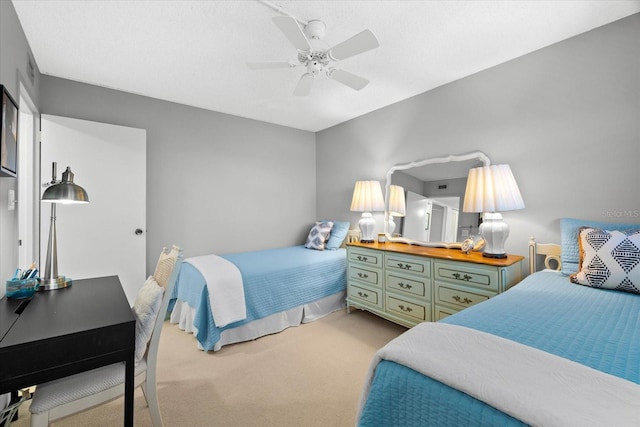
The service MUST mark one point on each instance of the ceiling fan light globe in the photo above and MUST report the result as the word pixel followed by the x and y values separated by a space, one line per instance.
pixel 314 67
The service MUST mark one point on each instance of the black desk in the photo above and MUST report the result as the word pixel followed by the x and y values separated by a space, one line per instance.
pixel 66 331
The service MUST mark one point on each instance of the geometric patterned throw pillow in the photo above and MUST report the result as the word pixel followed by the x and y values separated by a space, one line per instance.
pixel 609 259
pixel 319 235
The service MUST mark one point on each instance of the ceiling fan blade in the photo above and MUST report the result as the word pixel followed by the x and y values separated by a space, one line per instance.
pixel 269 65
pixel 356 45
pixel 292 31
pixel 303 88
pixel 349 79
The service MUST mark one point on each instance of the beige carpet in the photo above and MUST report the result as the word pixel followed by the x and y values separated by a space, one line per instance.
pixel 309 375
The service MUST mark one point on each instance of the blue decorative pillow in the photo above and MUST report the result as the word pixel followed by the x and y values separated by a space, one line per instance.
pixel 319 235
pixel 609 260
pixel 569 230
pixel 339 232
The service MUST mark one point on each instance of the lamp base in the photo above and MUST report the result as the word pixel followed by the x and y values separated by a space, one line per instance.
pixel 54 283
pixel 497 256
pixel 367 224
pixel 494 231
pixel 391 226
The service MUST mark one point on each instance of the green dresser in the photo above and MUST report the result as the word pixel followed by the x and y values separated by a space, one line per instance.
pixel 409 284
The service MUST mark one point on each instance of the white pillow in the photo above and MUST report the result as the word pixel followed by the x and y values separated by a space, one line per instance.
pixel 145 310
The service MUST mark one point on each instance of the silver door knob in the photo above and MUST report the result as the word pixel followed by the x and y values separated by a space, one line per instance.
pixel 138 231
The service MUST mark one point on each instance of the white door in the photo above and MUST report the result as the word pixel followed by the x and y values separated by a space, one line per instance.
pixel 108 235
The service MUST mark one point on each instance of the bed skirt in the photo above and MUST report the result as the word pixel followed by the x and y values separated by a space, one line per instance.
pixel 183 316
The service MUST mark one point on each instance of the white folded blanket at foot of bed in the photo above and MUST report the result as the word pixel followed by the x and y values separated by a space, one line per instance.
pixel 531 385
pixel 225 287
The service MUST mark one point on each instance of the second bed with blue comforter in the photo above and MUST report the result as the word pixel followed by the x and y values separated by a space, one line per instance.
pixel 593 327
pixel 274 280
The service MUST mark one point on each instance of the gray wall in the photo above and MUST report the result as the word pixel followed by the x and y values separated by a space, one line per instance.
pixel 216 183
pixel 566 118
pixel 13 70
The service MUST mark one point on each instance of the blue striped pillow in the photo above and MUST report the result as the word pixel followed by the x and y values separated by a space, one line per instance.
pixel 339 231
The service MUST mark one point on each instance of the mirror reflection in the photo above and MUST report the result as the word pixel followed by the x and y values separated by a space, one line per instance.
pixel 434 195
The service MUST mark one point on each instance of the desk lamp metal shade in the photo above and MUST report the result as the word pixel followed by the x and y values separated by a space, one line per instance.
pixel 397 206
pixel 66 192
pixel 492 189
pixel 367 198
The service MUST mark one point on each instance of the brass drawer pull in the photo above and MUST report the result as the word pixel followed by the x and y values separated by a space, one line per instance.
pixel 405 309
pixel 458 276
pixel 363 295
pixel 362 258
pixel 404 266
pixel 404 286
pixel 464 300
pixel 363 275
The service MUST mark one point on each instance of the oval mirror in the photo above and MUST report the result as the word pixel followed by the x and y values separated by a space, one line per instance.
pixel 433 192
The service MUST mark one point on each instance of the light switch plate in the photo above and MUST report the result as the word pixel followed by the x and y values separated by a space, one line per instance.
pixel 12 200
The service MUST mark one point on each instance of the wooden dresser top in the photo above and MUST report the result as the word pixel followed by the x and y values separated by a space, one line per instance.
pixel 440 253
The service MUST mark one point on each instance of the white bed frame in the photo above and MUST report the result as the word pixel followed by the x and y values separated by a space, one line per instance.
pixel 551 252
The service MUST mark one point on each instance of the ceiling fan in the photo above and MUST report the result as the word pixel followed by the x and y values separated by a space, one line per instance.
pixel 319 60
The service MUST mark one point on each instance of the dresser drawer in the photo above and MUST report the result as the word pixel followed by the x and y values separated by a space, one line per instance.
pixel 412 311
pixel 365 256
pixel 468 274
pixel 413 264
pixel 366 295
pixel 411 286
pixel 366 275
pixel 458 297
pixel 442 312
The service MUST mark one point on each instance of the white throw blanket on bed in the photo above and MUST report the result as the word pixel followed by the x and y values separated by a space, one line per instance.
pixel 226 291
pixel 538 388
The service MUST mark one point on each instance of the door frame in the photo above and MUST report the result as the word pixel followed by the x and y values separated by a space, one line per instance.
pixel 28 188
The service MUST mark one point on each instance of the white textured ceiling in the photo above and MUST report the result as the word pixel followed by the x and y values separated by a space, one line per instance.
pixel 195 52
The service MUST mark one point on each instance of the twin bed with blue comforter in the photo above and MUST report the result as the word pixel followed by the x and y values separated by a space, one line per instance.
pixel 282 287
pixel 594 327
pixel 546 352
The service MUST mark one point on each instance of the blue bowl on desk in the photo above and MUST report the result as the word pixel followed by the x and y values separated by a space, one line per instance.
pixel 21 288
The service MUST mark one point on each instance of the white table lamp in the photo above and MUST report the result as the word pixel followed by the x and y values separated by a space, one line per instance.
pixel 397 206
pixel 367 198
pixel 492 189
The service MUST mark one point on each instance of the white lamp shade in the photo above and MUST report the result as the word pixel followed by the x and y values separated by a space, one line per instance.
pixel 397 204
pixel 367 197
pixel 492 189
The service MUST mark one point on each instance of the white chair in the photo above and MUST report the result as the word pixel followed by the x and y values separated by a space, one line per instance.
pixel 67 396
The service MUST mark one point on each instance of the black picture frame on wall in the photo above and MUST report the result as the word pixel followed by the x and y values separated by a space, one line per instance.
pixel 9 135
